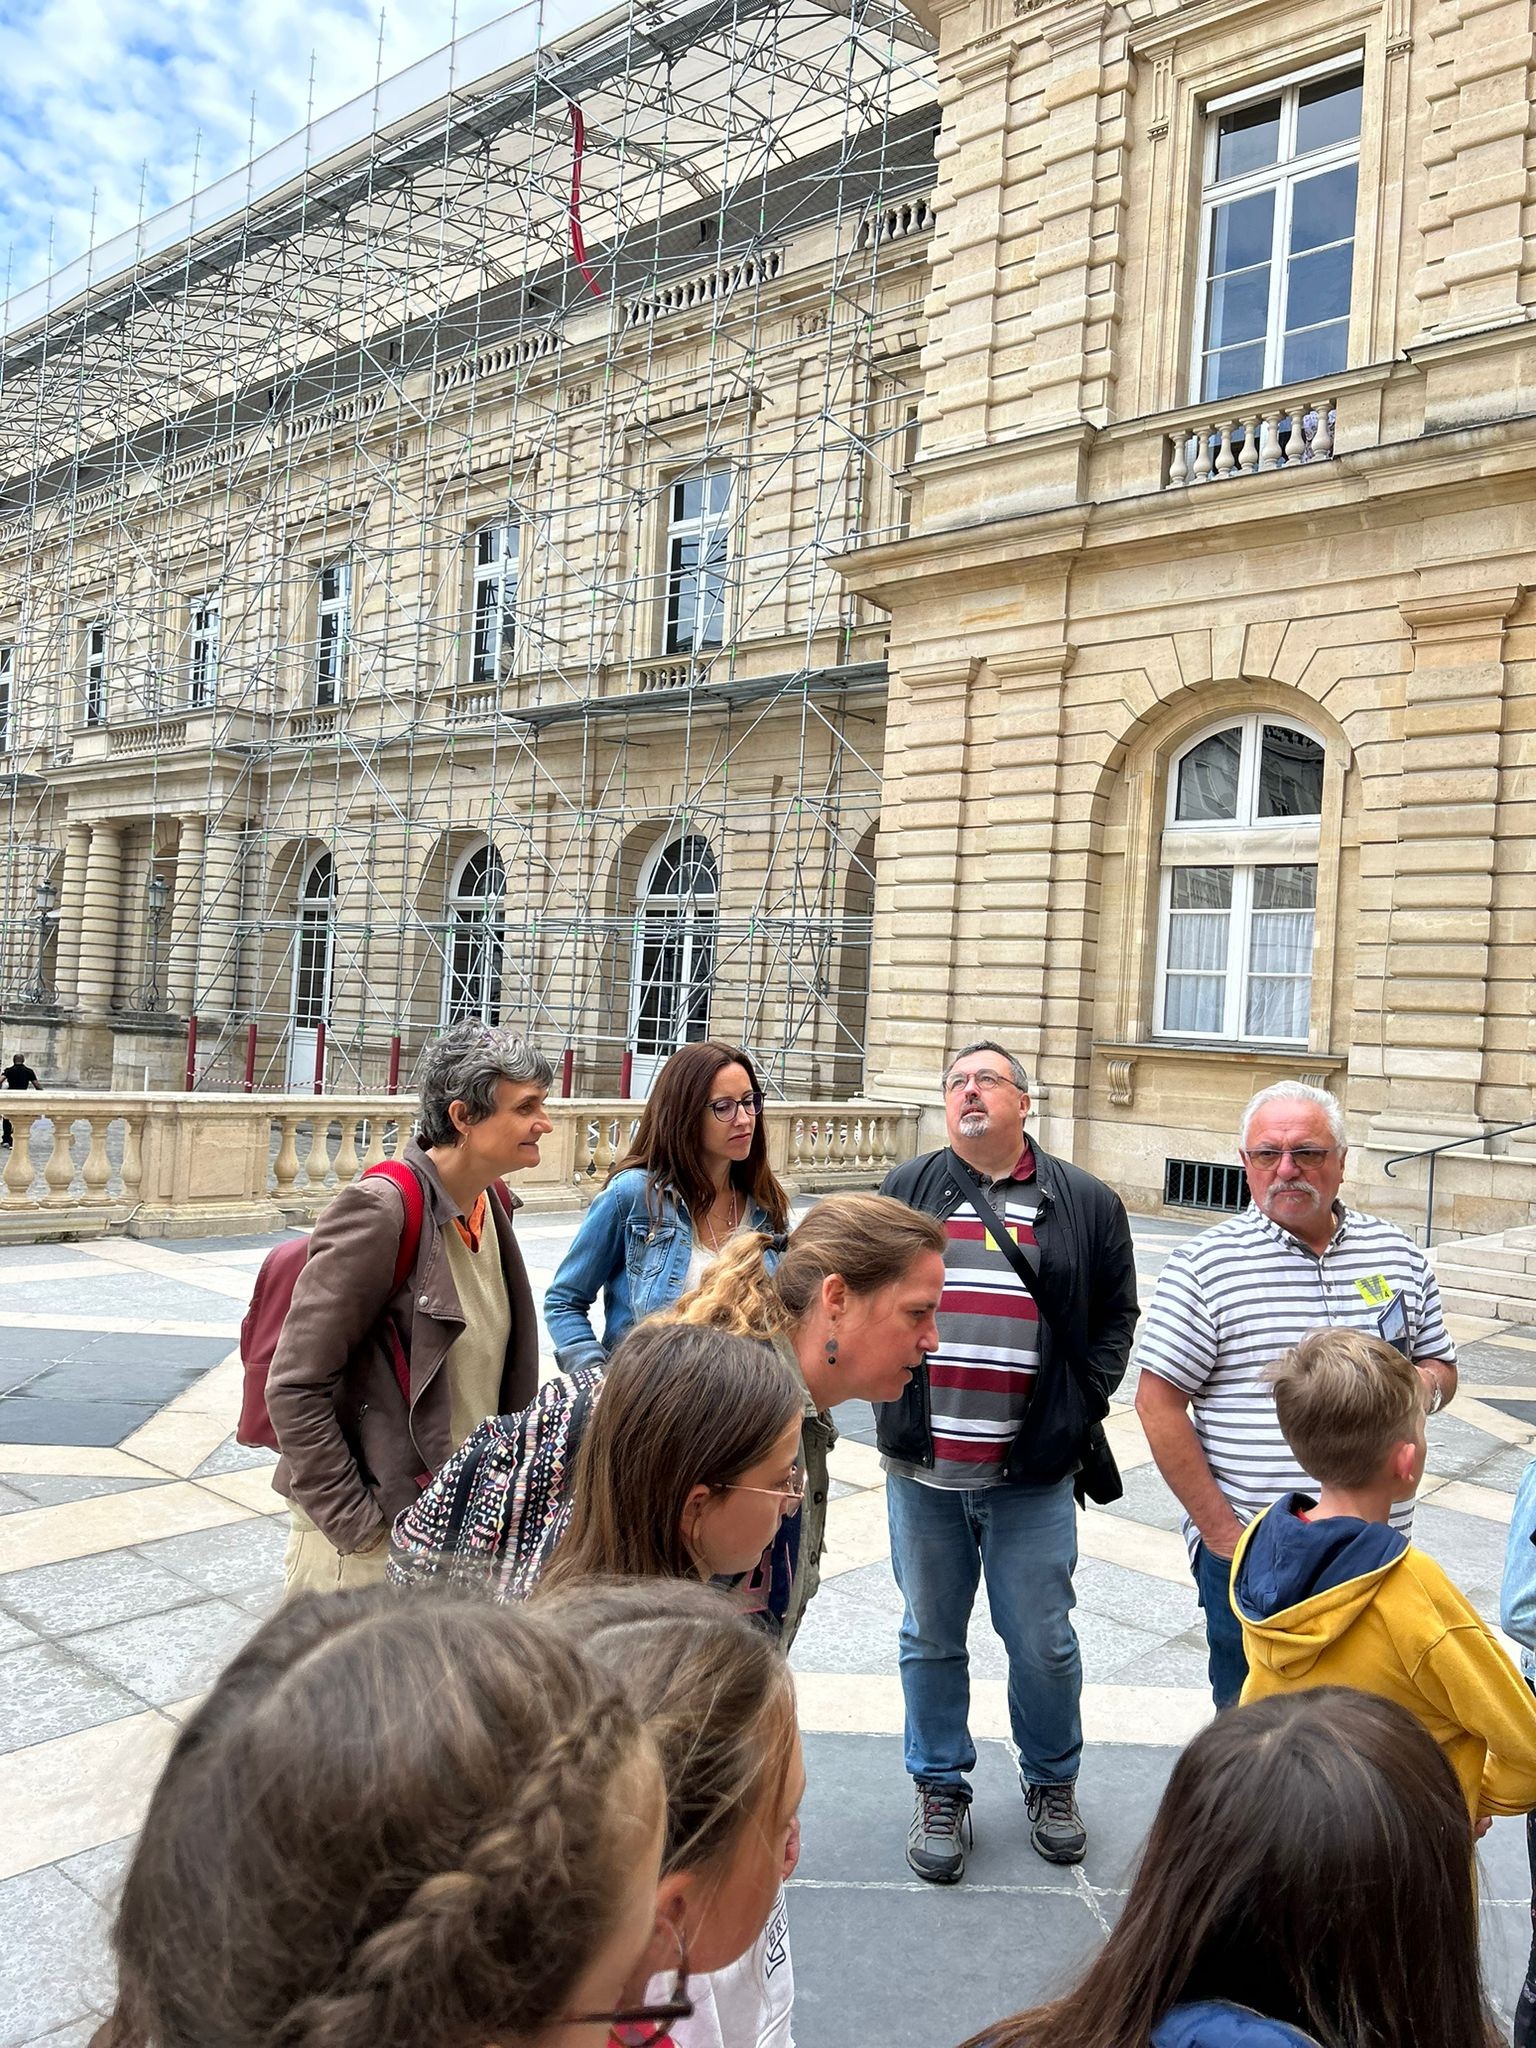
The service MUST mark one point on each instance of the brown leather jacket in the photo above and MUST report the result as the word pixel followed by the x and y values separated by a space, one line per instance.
pixel 351 1450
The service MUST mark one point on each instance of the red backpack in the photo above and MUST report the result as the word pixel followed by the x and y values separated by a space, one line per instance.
pixel 275 1282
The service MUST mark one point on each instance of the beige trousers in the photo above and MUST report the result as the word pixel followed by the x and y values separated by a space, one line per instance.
pixel 313 1565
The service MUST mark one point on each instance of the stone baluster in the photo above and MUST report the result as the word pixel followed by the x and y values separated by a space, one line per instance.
pixel 17 1177
pixel 1178 461
pixel 1269 441
pixel 1253 442
pixel 1226 461
pixel 59 1170
pixel 1322 433
pixel 285 1168
pixel 133 1156
pixel 347 1163
pixel 98 1165
pixel 1203 460
pixel 375 1152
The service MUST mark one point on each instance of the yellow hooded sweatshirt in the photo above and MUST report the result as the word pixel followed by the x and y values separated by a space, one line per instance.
pixel 1346 1602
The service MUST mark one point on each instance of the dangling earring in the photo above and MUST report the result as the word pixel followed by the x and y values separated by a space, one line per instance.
pixel 830 1347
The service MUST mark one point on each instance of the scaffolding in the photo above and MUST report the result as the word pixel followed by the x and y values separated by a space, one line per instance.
pixel 416 586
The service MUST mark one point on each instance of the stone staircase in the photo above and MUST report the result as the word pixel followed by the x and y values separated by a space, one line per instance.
pixel 1489 1276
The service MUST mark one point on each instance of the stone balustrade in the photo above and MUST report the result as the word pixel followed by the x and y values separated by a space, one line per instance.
pixel 159 1165
pixel 1250 435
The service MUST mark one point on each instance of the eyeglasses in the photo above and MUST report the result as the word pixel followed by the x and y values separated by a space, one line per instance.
pixel 1304 1155
pixel 643 2026
pixel 793 1488
pixel 726 1108
pixel 986 1082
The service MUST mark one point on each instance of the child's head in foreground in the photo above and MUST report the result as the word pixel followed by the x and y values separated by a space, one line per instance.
pixel 1352 1409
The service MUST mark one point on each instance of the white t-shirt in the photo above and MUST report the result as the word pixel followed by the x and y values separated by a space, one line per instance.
pixel 750 2003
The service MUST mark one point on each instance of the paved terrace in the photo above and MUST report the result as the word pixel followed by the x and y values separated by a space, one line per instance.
pixel 139 1546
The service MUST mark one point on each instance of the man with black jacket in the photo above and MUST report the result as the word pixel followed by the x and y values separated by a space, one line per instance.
pixel 982 1450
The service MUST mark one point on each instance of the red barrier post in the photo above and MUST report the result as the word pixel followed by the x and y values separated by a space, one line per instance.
pixel 320 1059
pixel 626 1071
pixel 250 1058
pixel 191 1075
pixel 394 1066
pixel 567 1072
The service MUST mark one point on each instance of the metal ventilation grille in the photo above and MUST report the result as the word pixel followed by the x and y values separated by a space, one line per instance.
pixel 1196 1184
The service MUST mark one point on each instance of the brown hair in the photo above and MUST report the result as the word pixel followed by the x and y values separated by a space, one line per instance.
pixel 680 1408
pixel 869 1240
pixel 712 1688
pixel 1344 1400
pixel 1312 1860
pixel 666 1145
pixel 390 1822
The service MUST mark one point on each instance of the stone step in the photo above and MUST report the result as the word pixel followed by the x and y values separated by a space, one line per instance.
pixel 1501 1308
pixel 1480 1278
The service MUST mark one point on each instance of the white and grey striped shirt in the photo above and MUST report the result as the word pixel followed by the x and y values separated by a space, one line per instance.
pixel 1232 1299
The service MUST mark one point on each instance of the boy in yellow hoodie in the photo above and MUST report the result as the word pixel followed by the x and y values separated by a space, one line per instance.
pixel 1329 1594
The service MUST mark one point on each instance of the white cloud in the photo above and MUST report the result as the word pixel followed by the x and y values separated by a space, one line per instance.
pixel 116 107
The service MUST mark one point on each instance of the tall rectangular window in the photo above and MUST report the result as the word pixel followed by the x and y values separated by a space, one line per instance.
pixel 1282 167
pixel 333 630
pixel 7 672
pixel 96 645
pixel 203 649
pixel 494 602
pixel 698 557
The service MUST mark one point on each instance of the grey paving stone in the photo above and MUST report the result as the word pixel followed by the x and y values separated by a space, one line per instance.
pixel 1505 1469
pixel 1146 1499
pixel 1108 1645
pixel 25 1420
pixel 16 1373
pixel 45 1691
pixel 54 1968
pixel 1161 1605
pixel 1457 1449
pixel 12 1502
pixel 119 1297
pixel 1470 1551
pixel 1497 1364
pixel 233 1457
pixel 1179 1662
pixel 100 1872
pixel 14 1635
pixel 242 1558
pixel 105 1374
pixel 91 1592
pixel 851 1625
pixel 164 1657
pixel 53 1489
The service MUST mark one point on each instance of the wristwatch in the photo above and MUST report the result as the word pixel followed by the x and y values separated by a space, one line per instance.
pixel 1437 1394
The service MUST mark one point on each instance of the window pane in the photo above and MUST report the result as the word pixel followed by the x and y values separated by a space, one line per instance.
pixel 1318 287
pixel 1284 888
pixel 1316 352
pixel 688 498
pixel 1239 307
pixel 1278 1008
pixel 719 490
pixel 1328 111
pixel 1201 888
pixel 1197 942
pixel 1290 782
pixel 1207 785
pixel 1243 233
pixel 1235 370
pixel 1323 209
pixel 1247 138
pixel 1194 1002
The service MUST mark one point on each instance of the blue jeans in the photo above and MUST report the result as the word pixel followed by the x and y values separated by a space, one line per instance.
pixel 1025 1540
pixel 1226 1660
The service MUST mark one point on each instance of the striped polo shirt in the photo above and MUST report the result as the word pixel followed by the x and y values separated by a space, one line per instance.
pixel 980 1377
pixel 1234 1298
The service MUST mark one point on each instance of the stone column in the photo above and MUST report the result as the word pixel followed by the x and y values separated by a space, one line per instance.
pixel 100 920
pixel 71 902
pixel 1439 933
pixel 186 918
pixel 218 979
pixel 917 869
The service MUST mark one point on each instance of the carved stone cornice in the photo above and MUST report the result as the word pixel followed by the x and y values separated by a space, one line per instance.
pixel 924 678
pixel 1016 666
pixel 1464 608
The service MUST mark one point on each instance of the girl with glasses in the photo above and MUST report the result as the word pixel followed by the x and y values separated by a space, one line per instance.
pixel 396 1823
pixel 695 1174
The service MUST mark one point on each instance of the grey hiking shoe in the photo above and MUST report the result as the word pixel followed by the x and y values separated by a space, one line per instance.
pixel 941 1820
pixel 1056 1827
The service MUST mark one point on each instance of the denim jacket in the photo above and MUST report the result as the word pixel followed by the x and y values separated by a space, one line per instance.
pixel 1517 1596
pixel 635 1263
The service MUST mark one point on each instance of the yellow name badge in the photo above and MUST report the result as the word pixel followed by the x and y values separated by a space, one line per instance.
pixel 1375 1288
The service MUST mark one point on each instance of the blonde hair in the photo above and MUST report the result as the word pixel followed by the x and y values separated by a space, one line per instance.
pixel 1345 1399
pixel 870 1241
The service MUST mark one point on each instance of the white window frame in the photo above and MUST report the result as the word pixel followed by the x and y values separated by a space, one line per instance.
pixel 1287 171
pixel 98 657
pixel 494 568
pixel 7 692
pixel 204 648
pixel 1242 844
pixel 705 529
pixel 333 631
pixel 479 922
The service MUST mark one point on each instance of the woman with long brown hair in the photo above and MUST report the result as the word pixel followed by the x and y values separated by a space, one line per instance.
pixel 696 1173
pixel 1307 1883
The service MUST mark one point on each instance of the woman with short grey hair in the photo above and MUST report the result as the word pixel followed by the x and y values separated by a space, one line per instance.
pixel 411 1319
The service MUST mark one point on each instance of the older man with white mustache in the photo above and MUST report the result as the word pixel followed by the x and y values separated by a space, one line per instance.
pixel 1232 1299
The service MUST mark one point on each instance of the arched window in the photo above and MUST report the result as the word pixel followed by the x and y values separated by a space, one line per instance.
pixel 476 937
pixel 314 952
pixel 1239 884
pixel 673 960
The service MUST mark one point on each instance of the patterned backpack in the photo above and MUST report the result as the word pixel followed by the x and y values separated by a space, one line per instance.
pixel 494 1513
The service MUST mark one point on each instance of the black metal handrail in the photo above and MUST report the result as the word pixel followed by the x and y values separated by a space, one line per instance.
pixel 1432 1153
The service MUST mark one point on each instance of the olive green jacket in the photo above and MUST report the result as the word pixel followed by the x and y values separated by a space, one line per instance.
pixel 818 1433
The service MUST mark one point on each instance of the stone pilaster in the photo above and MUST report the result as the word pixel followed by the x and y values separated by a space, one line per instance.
pixel 1439 927
pixel 100 920
pixel 917 866
pixel 186 917
pixel 217 990
pixel 71 902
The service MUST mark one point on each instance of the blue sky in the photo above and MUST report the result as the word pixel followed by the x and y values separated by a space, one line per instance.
pixel 107 100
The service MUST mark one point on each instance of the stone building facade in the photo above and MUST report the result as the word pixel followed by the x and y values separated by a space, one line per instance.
pixel 1211 744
